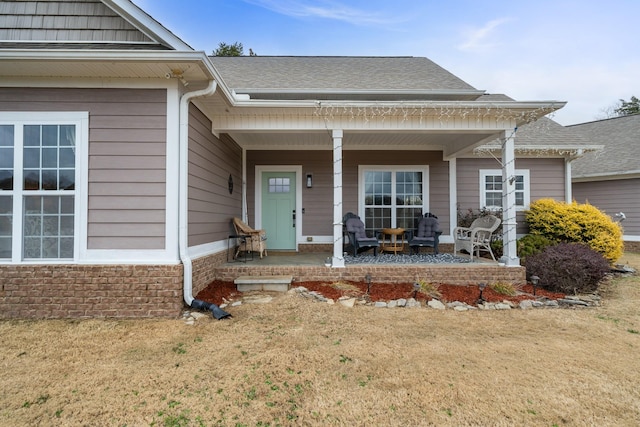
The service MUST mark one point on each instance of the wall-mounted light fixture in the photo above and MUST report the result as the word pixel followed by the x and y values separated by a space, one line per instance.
pixel 309 180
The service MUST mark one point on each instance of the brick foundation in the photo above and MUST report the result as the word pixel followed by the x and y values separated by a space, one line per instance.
pixel 632 247
pixel 90 291
pixel 460 274
pixel 204 270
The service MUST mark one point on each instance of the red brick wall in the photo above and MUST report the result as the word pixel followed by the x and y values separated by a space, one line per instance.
pixel 74 291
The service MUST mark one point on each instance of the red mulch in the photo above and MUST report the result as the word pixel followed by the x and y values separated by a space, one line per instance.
pixel 217 290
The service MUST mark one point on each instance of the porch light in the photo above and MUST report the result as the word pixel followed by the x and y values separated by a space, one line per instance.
pixel 309 180
pixel 481 286
pixel 534 282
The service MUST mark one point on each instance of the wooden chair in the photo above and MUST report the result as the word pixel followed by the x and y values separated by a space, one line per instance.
pixel 354 228
pixel 251 240
pixel 477 237
pixel 426 235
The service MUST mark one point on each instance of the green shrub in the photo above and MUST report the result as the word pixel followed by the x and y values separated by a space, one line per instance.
pixel 579 223
pixel 568 268
pixel 532 244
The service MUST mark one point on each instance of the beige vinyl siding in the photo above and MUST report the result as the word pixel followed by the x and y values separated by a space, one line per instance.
pixel 318 201
pixel 620 195
pixel 65 21
pixel 211 161
pixel 127 159
pixel 547 179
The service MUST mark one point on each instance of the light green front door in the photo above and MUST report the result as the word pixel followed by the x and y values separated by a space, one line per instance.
pixel 278 209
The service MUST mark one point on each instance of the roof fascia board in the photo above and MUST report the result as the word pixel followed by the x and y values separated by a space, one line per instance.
pixel 609 176
pixel 569 151
pixel 145 23
pixel 358 91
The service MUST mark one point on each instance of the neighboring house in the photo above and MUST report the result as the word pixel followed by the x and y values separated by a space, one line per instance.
pixel 610 179
pixel 124 154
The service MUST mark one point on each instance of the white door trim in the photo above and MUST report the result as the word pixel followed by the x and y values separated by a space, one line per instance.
pixel 297 169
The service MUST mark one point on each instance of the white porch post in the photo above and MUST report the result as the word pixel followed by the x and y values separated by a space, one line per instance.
pixel 338 258
pixel 510 254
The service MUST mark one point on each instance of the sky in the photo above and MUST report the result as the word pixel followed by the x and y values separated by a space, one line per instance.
pixel 584 52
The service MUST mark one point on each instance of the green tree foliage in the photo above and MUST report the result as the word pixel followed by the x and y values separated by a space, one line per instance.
pixel 575 222
pixel 628 108
pixel 224 49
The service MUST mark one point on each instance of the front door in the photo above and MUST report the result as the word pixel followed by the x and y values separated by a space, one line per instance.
pixel 279 209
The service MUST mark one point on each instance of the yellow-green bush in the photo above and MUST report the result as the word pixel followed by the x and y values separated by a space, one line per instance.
pixel 575 222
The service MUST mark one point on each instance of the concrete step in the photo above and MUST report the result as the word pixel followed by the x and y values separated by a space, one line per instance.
pixel 263 283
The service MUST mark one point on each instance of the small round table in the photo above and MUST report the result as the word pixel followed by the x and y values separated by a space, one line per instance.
pixel 392 240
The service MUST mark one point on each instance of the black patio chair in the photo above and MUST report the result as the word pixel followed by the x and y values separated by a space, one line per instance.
pixel 358 239
pixel 427 234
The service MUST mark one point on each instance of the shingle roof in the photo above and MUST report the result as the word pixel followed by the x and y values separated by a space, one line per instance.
pixel 337 73
pixel 621 139
pixel 543 133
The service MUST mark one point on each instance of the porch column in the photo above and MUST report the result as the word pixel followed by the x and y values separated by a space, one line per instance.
pixel 338 259
pixel 510 254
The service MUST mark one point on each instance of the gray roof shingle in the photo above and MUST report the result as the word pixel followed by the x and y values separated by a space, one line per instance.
pixel 337 73
pixel 621 154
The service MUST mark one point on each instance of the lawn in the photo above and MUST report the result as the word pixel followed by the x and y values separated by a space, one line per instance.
pixel 298 362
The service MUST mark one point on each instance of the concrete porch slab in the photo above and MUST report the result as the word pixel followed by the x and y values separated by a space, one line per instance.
pixel 263 283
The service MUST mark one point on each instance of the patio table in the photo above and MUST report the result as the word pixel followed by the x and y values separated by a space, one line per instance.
pixel 392 240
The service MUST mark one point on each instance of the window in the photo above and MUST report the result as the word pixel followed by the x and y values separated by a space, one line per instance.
pixel 38 175
pixel 491 188
pixel 393 196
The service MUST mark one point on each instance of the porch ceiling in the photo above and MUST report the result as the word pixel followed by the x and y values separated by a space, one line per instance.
pixel 361 140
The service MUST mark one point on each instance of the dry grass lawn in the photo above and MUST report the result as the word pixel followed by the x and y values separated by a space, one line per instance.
pixel 296 362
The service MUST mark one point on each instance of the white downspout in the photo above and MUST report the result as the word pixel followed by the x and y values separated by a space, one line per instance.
pixel 183 187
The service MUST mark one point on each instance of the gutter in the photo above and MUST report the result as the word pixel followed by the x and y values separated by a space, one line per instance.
pixel 183 189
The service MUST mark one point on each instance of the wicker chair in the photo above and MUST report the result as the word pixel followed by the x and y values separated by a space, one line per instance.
pixel 249 240
pixel 477 237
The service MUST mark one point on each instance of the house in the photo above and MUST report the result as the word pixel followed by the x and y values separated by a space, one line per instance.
pixel 125 154
pixel 610 179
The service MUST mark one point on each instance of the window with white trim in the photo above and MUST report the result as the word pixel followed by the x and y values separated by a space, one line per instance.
pixel 38 184
pixel 393 196
pixel 491 188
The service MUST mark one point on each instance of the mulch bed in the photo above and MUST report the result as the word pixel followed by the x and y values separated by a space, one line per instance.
pixel 217 291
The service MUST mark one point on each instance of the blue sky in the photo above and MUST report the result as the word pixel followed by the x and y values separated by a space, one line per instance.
pixel 584 52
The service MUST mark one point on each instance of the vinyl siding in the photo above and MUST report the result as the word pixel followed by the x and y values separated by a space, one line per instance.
pixel 318 201
pixel 211 161
pixel 127 160
pixel 546 175
pixel 612 197
pixel 78 21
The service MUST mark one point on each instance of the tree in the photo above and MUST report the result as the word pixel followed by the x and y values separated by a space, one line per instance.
pixel 224 49
pixel 627 108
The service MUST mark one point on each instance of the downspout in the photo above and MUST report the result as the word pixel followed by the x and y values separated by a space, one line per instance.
pixel 183 189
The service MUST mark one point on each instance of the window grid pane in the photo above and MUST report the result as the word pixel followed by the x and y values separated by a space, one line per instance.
pixel 279 185
pixel 49 163
pixel 401 194
pixel 6 157
pixel 48 231
pixel 6 226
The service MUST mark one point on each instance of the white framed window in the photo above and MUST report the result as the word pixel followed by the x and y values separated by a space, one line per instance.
pixel 392 196
pixel 491 188
pixel 40 173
